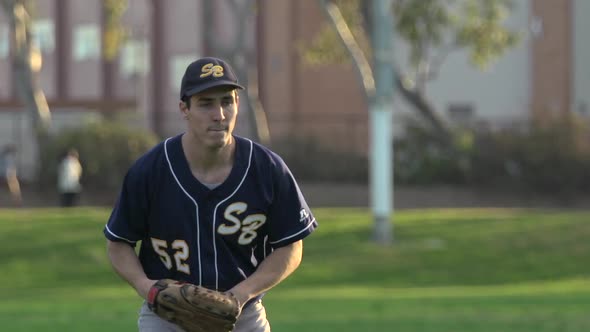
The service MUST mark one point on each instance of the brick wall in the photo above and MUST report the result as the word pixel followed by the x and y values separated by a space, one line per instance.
pixel 551 58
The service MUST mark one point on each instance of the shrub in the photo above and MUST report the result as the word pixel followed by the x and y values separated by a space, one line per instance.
pixel 107 149
pixel 309 160
pixel 552 160
pixel 420 159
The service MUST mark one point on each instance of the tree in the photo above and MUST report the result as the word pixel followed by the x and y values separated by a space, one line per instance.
pixel 115 34
pixel 236 53
pixel 378 85
pixel 27 63
pixel 432 29
pixel 27 59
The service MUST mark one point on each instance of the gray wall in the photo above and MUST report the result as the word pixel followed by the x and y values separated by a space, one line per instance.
pixel 499 94
pixel 581 27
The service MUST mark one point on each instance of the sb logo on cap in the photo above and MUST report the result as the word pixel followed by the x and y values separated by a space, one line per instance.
pixel 209 69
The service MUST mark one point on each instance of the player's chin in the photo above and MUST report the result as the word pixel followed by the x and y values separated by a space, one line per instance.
pixel 218 139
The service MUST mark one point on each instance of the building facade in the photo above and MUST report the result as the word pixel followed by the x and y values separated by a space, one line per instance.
pixel 546 75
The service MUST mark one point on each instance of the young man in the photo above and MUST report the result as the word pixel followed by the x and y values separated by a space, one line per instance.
pixel 209 207
pixel 68 178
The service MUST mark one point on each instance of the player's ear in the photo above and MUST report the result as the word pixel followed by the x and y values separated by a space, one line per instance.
pixel 183 107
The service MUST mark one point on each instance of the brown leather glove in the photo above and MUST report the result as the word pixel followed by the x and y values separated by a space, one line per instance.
pixel 194 308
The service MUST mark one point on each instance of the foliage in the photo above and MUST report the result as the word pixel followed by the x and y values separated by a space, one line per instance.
pixel 421 159
pixel 26 64
pixel 326 46
pixel 481 30
pixel 546 160
pixel 114 32
pixel 432 28
pixel 552 160
pixel 107 149
pixel 309 160
pixel 450 270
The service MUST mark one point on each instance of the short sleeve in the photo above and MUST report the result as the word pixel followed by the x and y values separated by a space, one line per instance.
pixel 290 217
pixel 128 220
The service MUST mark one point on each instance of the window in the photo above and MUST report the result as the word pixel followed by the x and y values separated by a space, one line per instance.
pixel 4 41
pixel 583 108
pixel 87 42
pixel 178 65
pixel 461 114
pixel 135 58
pixel 43 33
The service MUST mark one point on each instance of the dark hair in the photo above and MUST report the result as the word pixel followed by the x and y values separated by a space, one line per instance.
pixel 187 101
pixel 73 152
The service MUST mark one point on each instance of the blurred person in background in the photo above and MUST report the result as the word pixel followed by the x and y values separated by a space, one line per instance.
pixel 9 173
pixel 68 181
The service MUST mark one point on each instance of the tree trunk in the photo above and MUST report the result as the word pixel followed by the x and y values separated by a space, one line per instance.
pixel 414 97
pixel 238 56
pixel 27 63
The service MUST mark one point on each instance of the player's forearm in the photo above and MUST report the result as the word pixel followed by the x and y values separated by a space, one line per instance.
pixel 274 269
pixel 126 263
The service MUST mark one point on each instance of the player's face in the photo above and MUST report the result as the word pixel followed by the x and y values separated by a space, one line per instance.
pixel 211 118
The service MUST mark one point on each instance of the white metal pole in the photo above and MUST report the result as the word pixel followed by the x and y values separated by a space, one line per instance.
pixel 381 108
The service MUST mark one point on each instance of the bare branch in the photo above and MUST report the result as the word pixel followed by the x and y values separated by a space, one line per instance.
pixel 26 66
pixel 361 63
pixel 425 108
pixel 237 53
pixel 437 60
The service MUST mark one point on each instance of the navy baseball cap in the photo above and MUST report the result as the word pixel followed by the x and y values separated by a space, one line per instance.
pixel 206 73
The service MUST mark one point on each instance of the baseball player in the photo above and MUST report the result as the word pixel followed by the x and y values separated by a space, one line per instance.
pixel 209 207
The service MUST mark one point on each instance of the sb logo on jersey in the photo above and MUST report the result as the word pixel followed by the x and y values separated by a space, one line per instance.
pixel 247 226
pixel 209 69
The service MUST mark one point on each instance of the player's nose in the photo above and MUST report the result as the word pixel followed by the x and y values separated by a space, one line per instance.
pixel 217 113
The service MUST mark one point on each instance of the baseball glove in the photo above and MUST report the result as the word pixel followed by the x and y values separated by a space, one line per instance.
pixel 194 308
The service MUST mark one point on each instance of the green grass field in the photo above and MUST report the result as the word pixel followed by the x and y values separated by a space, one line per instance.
pixel 449 271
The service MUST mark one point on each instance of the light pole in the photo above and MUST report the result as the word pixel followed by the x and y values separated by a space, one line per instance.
pixel 380 110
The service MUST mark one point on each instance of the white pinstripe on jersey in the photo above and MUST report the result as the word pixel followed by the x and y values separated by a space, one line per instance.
pixel 196 210
pixel 215 213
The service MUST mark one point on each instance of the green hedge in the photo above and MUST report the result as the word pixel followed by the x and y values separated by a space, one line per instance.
pixel 309 160
pixel 106 149
pixel 553 160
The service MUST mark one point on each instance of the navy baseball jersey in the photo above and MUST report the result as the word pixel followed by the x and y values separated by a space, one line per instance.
pixel 211 237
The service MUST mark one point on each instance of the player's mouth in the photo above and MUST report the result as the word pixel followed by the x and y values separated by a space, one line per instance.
pixel 217 129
